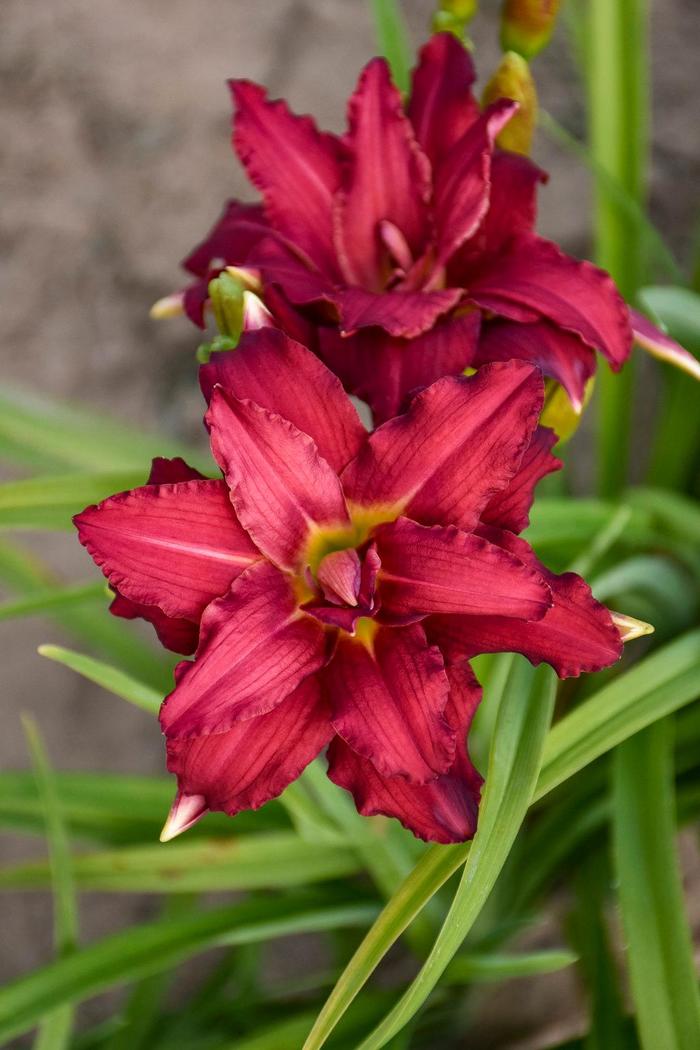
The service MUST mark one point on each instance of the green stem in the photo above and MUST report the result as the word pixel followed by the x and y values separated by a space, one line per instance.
pixel 618 114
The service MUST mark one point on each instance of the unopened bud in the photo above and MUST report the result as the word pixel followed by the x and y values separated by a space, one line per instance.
pixel 527 25
pixel 226 297
pixel 560 412
pixel 513 79
pixel 453 16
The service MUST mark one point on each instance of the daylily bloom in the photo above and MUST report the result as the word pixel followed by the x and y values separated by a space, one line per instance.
pixel 405 250
pixel 338 582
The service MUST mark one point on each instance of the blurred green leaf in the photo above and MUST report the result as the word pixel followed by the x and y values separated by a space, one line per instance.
pixel 465 969
pixel 152 947
pixel 44 435
pixel 663 978
pixel 110 678
pixel 52 599
pixel 54 1033
pixel 523 720
pixel 237 863
pixel 656 686
pixel 114 808
pixel 49 502
pixel 392 40
pixel 678 310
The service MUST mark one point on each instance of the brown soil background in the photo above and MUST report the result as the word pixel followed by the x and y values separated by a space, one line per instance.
pixel 114 131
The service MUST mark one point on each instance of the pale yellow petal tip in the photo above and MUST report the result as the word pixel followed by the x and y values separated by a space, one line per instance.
pixel 168 306
pixel 630 628
pixel 186 810
pixel 255 313
pixel 249 278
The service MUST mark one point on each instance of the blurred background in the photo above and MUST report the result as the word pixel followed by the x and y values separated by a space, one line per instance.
pixel 114 124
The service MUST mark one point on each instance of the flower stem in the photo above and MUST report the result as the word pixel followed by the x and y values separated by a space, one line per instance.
pixel 616 64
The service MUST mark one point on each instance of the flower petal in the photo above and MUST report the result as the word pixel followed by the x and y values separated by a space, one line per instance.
pixel 444 570
pixel 463 180
pixel 257 759
pixel 295 274
pixel 442 105
pixel 284 377
pixel 180 636
pixel 510 508
pixel 235 232
pixel 401 314
pixel 339 575
pixel 560 354
pixel 577 634
pixel 177 546
pixel 443 810
pixel 295 167
pixel 388 704
pixel 280 486
pixel 387 177
pixel 385 371
pixel 536 276
pixel 255 648
pixel 460 443
pixel 660 345
pixel 169 471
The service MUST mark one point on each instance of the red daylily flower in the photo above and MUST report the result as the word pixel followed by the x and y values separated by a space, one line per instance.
pixel 338 582
pixel 405 250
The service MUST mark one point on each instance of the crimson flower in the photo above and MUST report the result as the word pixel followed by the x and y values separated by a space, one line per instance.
pixel 405 250
pixel 336 583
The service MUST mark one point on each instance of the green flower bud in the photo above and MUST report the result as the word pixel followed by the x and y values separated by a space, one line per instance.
pixel 226 295
pixel 513 79
pixel 453 16
pixel 527 25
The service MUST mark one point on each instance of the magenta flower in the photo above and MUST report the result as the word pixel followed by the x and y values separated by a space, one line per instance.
pixel 339 581
pixel 406 250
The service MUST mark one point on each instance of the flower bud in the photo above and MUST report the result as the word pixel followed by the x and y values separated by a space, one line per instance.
pixel 226 297
pixel 168 306
pixel 527 25
pixel 559 412
pixel 453 16
pixel 513 79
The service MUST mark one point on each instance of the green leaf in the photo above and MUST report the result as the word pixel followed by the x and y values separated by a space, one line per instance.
pixel 678 310
pixel 523 719
pixel 237 863
pixel 55 1031
pixel 110 678
pixel 656 686
pixel 50 502
pixel 44 435
pixel 113 809
pixel 465 969
pixel 392 40
pixel 664 982
pixel 51 599
pixel 152 947
pixel 510 770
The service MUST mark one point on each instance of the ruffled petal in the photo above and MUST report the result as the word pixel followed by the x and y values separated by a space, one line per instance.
pixel 286 378
pixel 295 167
pixel 388 702
pixel 560 354
pixel 401 314
pixel 257 759
pixel 442 810
pixel 387 178
pixel 230 240
pixel 177 546
pixel 255 648
pixel 510 508
pixel 460 443
pixel 660 345
pixel 444 570
pixel 577 634
pixel 534 276
pixel 442 105
pixel 463 180
pixel 281 488
pixel 385 372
